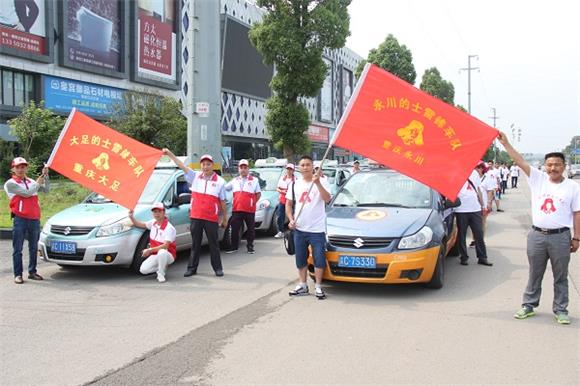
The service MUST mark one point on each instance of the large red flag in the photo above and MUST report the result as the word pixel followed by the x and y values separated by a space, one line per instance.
pixel 400 126
pixel 103 160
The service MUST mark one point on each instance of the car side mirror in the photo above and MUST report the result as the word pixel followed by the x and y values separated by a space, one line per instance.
pixel 451 204
pixel 184 198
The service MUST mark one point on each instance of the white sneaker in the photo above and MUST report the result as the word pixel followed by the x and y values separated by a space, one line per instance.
pixel 279 235
pixel 160 278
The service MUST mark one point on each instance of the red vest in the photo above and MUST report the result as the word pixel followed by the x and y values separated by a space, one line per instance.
pixel 205 201
pixel 244 194
pixel 172 248
pixel 283 184
pixel 26 207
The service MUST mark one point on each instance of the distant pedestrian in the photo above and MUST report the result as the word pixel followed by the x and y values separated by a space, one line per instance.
pixel 247 192
pixel 285 180
pixel 493 175
pixel 515 173
pixel 504 173
pixel 469 215
pixel 555 213
pixel 208 198
pixel 25 211
pixel 161 251
pixel 308 196
pixel 355 167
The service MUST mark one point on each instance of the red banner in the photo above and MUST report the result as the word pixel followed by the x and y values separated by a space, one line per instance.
pixel 103 160
pixel 155 44
pixel 400 126
pixel 23 41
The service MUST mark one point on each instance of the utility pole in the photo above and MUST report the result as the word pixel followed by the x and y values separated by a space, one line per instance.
pixel 469 69
pixel 495 148
pixel 494 117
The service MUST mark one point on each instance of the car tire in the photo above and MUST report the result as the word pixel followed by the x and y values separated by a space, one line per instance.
pixel 138 259
pixel 438 277
pixel 273 229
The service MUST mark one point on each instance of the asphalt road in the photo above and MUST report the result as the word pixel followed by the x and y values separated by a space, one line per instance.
pixel 111 327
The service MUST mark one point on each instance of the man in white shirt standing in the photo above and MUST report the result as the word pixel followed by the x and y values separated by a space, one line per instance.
pixel 504 173
pixel 162 248
pixel 308 219
pixel 285 180
pixel 247 192
pixel 469 214
pixel 493 175
pixel 515 173
pixel 555 213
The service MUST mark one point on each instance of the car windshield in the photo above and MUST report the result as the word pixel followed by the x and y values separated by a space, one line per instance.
pixel 383 189
pixel 330 174
pixel 152 189
pixel 268 177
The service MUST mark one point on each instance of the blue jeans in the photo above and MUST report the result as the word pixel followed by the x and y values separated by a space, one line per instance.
pixel 318 243
pixel 281 209
pixel 24 228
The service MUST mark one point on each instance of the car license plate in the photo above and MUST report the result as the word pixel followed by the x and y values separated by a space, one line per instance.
pixel 357 261
pixel 65 247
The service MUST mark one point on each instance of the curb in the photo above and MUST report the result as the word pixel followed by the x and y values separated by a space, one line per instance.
pixel 5 233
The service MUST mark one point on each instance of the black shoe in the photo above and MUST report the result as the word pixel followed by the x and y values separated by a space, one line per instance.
pixel 190 272
pixel 484 262
pixel 232 250
pixel 463 262
pixel 251 249
pixel 472 244
pixel 219 273
pixel 500 210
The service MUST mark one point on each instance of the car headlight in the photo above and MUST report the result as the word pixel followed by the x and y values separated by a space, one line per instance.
pixel 418 240
pixel 46 228
pixel 120 226
pixel 263 204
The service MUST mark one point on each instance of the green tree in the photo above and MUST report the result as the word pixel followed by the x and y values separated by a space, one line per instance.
pixel 292 36
pixel 37 130
pixel 460 107
pixel 433 84
pixel 570 150
pixel 393 57
pixel 153 120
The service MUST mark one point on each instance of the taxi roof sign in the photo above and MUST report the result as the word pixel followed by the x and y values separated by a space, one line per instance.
pixel 166 163
pixel 271 162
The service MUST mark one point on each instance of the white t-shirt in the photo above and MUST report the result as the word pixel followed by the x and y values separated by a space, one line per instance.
pixel 487 185
pixel 309 207
pixel 492 174
pixel 161 235
pixel 504 173
pixel 515 171
pixel 553 204
pixel 468 195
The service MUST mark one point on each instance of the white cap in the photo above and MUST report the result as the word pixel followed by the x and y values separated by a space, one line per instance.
pixel 243 162
pixel 19 161
pixel 158 205
pixel 206 157
pixel 290 166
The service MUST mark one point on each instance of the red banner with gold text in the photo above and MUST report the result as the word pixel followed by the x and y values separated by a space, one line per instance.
pixel 103 160
pixel 400 126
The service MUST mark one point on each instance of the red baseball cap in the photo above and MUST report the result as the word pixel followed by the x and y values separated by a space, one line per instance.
pixel 206 157
pixel 19 161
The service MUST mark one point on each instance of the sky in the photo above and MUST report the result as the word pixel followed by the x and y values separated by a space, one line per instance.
pixel 528 58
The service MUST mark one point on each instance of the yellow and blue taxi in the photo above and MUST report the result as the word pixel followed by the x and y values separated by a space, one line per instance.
pixel 384 227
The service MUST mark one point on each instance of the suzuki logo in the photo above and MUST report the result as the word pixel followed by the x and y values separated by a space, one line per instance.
pixel 358 242
pixel 66 231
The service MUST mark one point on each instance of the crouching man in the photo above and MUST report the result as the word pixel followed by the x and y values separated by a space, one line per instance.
pixel 162 251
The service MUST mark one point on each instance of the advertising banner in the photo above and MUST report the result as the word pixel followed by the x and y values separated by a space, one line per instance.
pixel 23 25
pixel 157 39
pixel 62 95
pixel 318 133
pixel 103 160
pixel 93 33
pixel 346 88
pixel 325 98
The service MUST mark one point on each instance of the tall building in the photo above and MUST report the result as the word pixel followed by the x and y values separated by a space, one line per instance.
pixel 87 54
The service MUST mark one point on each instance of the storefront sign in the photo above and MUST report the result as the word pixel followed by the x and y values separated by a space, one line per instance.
pixel 22 26
pixel 318 133
pixel 62 95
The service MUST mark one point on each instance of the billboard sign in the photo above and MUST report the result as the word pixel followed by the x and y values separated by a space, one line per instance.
pixel 346 88
pixel 93 34
pixel 157 25
pixel 61 95
pixel 23 26
pixel 318 133
pixel 325 97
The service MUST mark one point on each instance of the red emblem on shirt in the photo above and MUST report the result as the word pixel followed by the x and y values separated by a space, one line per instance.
pixel 304 197
pixel 548 206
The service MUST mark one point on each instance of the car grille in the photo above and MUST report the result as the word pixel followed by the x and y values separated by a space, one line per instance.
pixel 366 243
pixel 70 231
pixel 79 256
pixel 378 272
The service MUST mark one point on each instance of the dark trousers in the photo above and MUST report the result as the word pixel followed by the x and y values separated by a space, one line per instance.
pixel 473 220
pixel 514 182
pixel 503 186
pixel 236 222
pixel 211 231
pixel 23 228
pixel 281 222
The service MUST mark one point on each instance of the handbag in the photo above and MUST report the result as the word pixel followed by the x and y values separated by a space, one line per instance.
pixel 289 233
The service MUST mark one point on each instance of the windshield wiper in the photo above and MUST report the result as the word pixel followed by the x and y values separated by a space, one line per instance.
pixel 345 205
pixel 383 204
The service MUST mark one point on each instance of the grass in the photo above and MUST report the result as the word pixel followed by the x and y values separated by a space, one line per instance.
pixel 63 193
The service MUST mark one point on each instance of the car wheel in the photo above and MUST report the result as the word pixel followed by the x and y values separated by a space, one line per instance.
pixel 226 242
pixel 439 273
pixel 138 259
pixel 273 229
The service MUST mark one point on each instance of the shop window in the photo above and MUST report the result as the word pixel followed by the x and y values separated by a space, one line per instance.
pixel 7 88
pixel 17 88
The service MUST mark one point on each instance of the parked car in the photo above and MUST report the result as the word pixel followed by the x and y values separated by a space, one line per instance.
pixel 336 174
pixel 99 232
pixel 574 171
pixel 384 227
